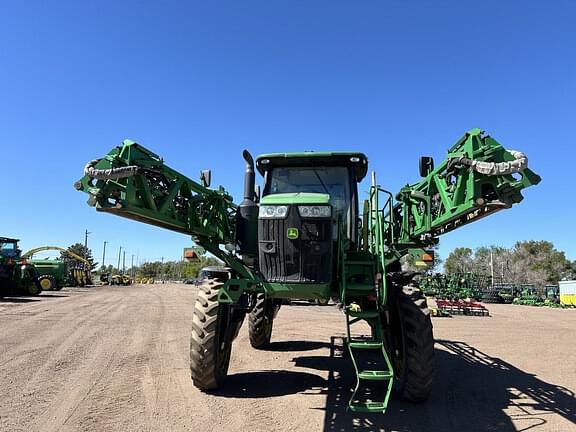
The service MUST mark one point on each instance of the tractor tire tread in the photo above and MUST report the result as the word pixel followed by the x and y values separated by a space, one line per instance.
pixel 257 330
pixel 419 345
pixel 203 366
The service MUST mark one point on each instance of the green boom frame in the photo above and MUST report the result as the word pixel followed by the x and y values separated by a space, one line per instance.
pixel 478 178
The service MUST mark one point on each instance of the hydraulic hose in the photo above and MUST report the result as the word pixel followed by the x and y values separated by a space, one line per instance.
pixel 111 173
pixel 519 163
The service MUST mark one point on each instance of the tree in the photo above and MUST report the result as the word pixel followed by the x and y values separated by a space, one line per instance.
pixel 460 260
pixel 175 270
pixel 78 249
pixel 539 262
pixel 570 274
pixel 528 262
pixel 494 258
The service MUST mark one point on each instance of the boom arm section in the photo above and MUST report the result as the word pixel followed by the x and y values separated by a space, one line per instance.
pixel 132 182
pixel 479 177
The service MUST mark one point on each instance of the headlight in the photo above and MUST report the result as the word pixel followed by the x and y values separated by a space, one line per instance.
pixel 270 211
pixel 315 211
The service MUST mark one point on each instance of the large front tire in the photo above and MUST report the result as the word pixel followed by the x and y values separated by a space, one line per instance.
pixel 260 322
pixel 412 344
pixel 209 350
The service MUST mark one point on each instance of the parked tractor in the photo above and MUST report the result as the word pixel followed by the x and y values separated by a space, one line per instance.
pixel 17 275
pixel 54 274
pixel 310 237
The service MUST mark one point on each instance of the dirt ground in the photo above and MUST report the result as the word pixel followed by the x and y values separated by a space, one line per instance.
pixel 116 359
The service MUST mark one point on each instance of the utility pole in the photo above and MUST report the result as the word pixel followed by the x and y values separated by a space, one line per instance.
pixel 104 256
pixel 86 245
pixel 492 265
pixel 124 263
pixel 119 255
pixel 86 240
pixel 162 271
pixel 132 268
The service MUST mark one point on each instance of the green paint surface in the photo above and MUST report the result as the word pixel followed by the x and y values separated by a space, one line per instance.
pixel 296 198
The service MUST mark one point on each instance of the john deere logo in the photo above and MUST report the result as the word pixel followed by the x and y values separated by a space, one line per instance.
pixel 292 233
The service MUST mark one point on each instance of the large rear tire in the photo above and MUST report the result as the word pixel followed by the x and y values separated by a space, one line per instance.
pixel 412 344
pixel 209 350
pixel 260 322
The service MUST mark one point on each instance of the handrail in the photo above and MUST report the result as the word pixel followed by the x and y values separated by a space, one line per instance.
pixel 378 217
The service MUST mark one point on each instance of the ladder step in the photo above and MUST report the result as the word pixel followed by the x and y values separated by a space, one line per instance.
pixel 365 345
pixel 367 407
pixel 373 375
pixel 363 314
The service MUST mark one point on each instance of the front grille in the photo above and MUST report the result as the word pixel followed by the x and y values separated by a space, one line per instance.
pixel 305 259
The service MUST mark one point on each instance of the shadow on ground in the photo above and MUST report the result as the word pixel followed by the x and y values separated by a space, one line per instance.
pixel 267 384
pixel 27 299
pixel 13 299
pixel 296 345
pixel 473 392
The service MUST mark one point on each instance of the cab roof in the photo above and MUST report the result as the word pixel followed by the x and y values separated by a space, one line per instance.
pixel 8 240
pixel 358 161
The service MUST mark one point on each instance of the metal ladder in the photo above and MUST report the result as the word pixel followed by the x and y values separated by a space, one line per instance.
pixel 361 347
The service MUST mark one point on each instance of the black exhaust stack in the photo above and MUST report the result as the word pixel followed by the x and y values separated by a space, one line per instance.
pixel 247 214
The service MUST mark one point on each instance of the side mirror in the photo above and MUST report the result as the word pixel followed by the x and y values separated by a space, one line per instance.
pixel 426 165
pixel 257 194
pixel 206 177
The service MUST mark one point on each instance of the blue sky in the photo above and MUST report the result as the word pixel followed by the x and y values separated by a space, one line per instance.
pixel 197 82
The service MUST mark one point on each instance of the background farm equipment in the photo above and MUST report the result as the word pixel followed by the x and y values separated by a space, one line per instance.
pixel 462 307
pixel 455 286
pixel 567 292
pixel 145 280
pixel 117 279
pixel 308 238
pixel 17 275
pixel 528 296
pixel 56 273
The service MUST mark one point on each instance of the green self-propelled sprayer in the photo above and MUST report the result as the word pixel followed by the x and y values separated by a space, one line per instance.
pixel 307 237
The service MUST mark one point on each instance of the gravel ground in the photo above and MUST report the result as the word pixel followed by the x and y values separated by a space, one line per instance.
pixel 116 359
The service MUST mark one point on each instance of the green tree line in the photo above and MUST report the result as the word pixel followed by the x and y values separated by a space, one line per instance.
pixel 168 270
pixel 535 262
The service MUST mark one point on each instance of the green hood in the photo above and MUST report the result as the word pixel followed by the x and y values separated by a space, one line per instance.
pixel 296 198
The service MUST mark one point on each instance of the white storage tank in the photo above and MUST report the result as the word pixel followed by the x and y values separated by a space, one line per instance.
pixel 568 292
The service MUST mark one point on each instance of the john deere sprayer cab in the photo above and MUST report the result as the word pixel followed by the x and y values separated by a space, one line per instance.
pixel 308 237
pixel 16 274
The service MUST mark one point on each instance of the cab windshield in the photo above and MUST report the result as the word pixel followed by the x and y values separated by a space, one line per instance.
pixel 8 249
pixel 333 181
